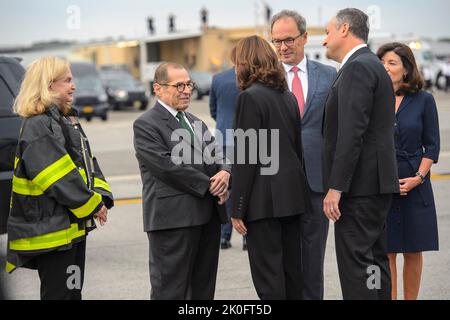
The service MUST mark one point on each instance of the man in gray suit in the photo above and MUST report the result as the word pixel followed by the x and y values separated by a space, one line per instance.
pixel 183 196
pixel 310 82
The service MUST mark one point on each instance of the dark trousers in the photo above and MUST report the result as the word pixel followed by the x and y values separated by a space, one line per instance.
pixel 226 229
pixel 2 287
pixel 183 262
pixel 274 252
pixel 314 232
pixel 361 247
pixel 57 271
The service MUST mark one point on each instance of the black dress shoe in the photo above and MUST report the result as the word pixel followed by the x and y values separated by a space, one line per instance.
pixel 225 244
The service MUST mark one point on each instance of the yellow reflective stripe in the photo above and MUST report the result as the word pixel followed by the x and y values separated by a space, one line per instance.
pixel 25 187
pixel 47 241
pixel 10 267
pixel 98 183
pixel 83 175
pixel 88 207
pixel 54 172
pixel 16 160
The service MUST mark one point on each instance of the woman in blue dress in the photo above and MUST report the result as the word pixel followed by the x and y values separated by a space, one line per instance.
pixel 411 224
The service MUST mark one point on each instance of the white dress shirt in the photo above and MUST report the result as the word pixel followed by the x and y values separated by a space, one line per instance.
pixel 351 52
pixel 303 74
pixel 175 112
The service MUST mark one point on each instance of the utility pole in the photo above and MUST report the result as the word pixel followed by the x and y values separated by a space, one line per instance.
pixel 171 23
pixel 151 28
pixel 204 18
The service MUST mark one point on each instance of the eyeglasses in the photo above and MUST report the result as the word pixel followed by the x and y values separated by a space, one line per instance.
pixel 180 86
pixel 287 42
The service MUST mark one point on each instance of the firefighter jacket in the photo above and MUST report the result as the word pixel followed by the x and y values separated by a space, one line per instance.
pixel 57 187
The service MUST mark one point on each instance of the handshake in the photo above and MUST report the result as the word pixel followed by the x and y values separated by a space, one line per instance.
pixel 219 186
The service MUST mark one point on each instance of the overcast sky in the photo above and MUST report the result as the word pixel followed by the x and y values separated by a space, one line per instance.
pixel 26 21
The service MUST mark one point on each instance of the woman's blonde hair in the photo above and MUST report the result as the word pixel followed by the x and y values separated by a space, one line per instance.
pixel 35 96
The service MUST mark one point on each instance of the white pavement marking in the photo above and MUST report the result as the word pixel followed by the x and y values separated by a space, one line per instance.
pixel 122 178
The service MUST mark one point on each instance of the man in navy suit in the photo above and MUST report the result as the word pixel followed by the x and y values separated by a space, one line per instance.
pixel 222 104
pixel 310 82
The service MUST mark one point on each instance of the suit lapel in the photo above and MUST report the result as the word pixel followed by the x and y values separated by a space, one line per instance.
pixel 173 124
pixel 406 100
pixel 196 126
pixel 313 78
pixel 352 57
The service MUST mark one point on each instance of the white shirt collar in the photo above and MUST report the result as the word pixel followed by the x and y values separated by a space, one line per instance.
pixel 302 66
pixel 351 52
pixel 169 108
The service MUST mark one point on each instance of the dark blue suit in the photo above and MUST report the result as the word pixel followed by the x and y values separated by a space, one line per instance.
pixel 314 227
pixel 222 101
pixel 222 104
pixel 412 223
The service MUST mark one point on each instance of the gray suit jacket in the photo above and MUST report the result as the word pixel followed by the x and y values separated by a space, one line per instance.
pixel 174 195
pixel 320 79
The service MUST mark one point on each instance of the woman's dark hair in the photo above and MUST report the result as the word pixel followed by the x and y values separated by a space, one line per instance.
pixel 256 61
pixel 413 81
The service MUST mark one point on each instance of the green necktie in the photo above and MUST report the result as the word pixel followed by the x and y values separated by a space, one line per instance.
pixel 185 125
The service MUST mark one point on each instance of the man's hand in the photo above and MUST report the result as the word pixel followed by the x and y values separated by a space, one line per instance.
pixel 224 197
pixel 101 216
pixel 219 183
pixel 331 205
pixel 407 184
pixel 239 226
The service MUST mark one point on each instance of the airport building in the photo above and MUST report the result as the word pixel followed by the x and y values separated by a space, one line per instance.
pixel 207 50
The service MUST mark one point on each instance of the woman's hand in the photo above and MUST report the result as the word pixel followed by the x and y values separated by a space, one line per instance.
pixel 239 226
pixel 102 216
pixel 407 184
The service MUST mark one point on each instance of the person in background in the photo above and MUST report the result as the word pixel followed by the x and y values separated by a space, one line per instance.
pixel 447 74
pixel 58 188
pixel 427 78
pixel 222 105
pixel 412 223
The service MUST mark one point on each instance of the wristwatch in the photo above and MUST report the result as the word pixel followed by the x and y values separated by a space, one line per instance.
pixel 422 178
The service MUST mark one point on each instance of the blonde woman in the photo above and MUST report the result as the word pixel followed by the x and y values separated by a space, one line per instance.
pixel 58 187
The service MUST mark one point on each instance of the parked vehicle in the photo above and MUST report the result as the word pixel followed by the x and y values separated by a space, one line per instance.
pixel 90 99
pixel 11 74
pixel 123 90
pixel 203 82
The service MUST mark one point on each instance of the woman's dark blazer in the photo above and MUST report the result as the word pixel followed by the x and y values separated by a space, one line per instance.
pixel 282 190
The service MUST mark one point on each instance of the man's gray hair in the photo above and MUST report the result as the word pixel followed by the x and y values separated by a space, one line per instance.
pixel 357 20
pixel 301 22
